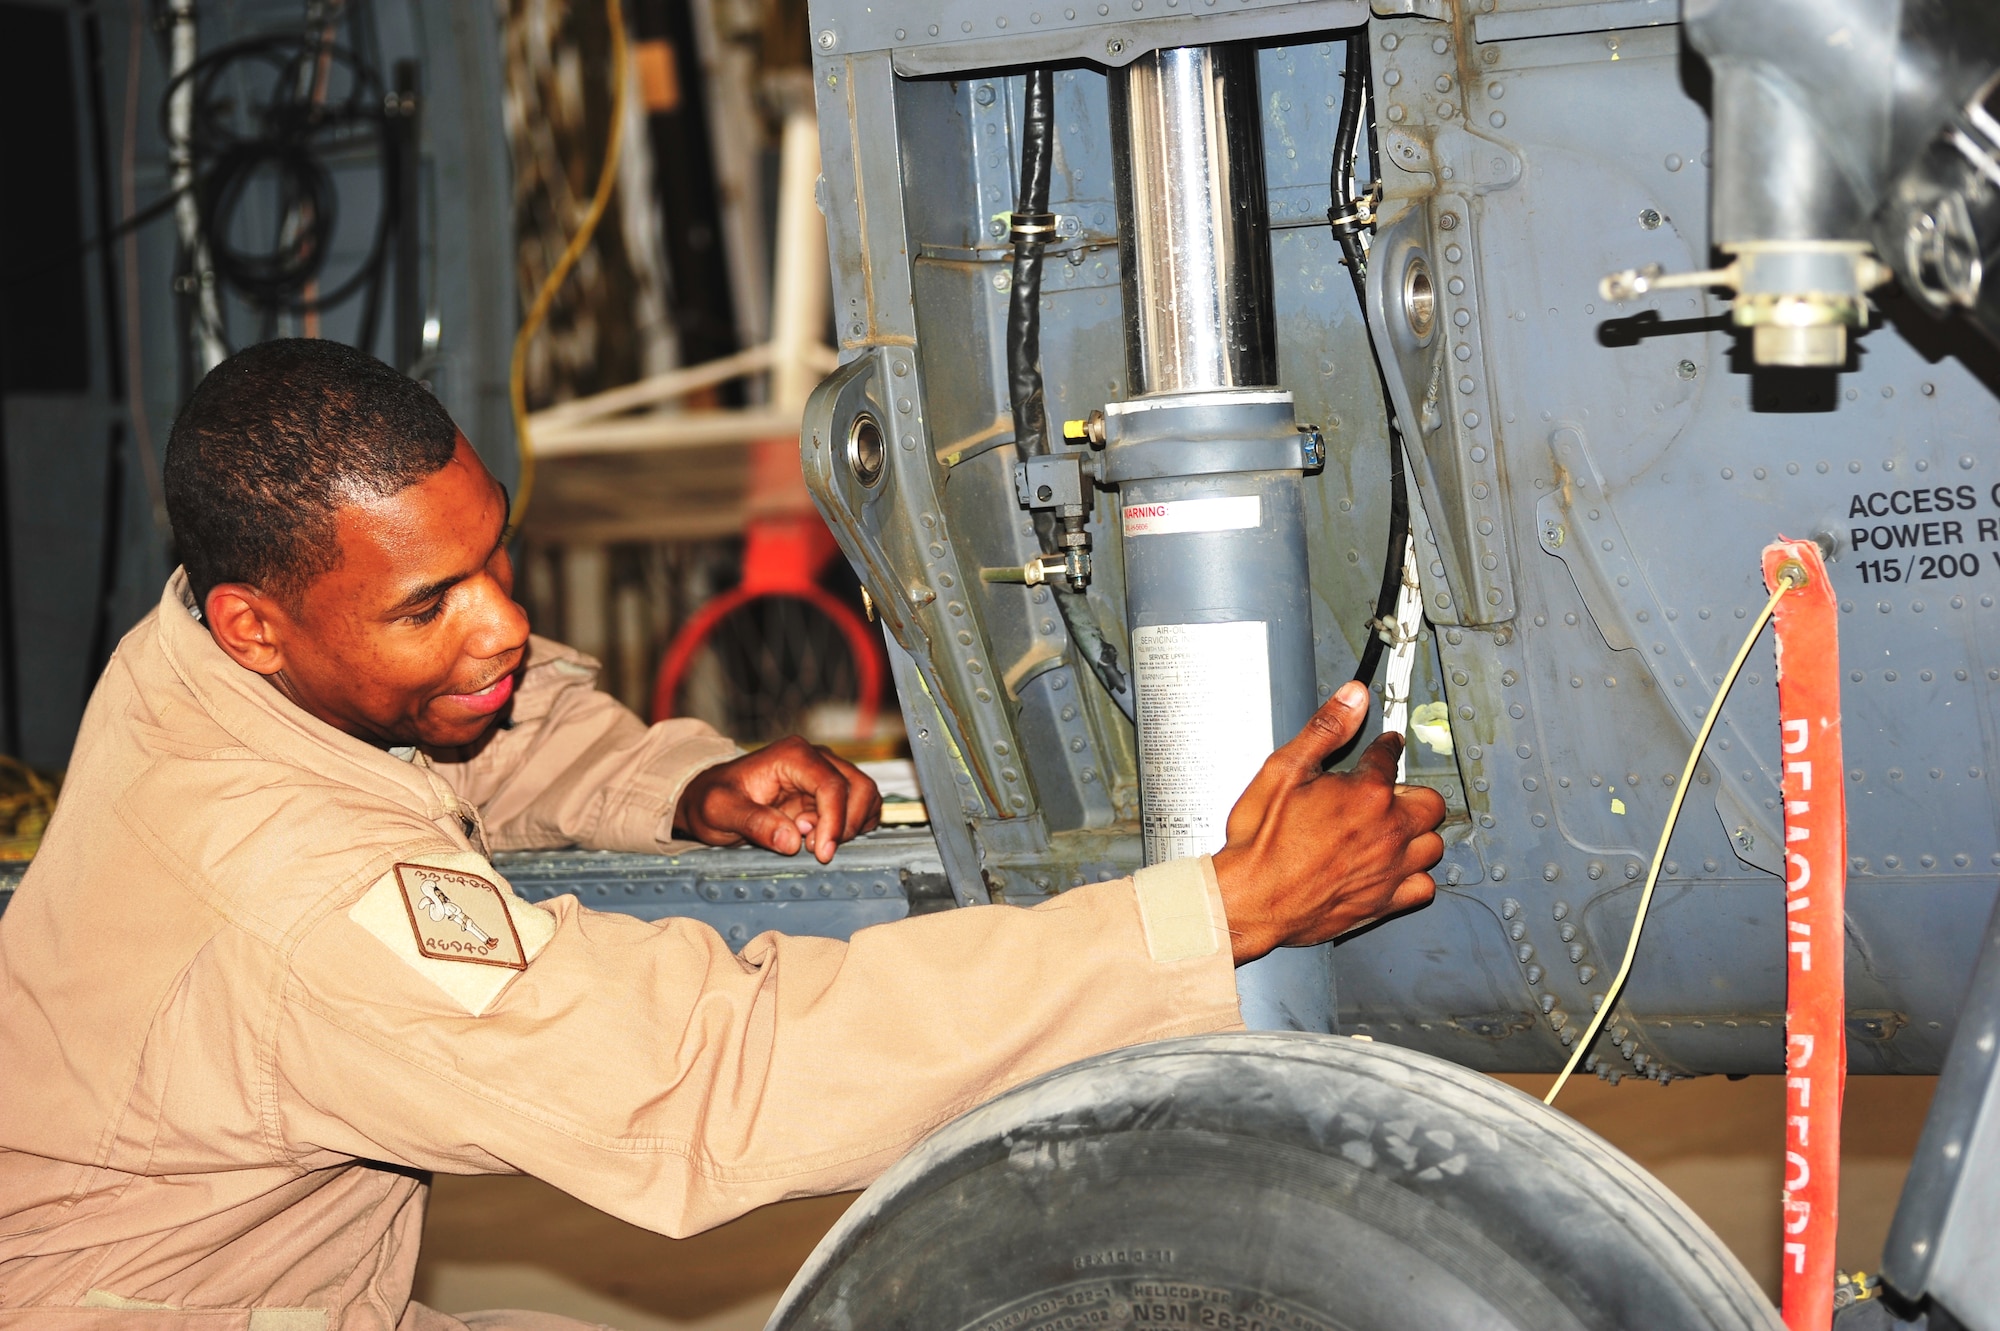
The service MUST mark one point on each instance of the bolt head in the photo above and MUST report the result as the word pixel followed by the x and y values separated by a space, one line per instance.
pixel 1687 369
pixel 1650 218
pixel 827 41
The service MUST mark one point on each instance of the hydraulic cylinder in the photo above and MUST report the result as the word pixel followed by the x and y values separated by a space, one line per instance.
pixel 1208 461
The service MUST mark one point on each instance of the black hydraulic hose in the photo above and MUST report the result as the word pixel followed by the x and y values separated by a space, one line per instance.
pixel 1032 230
pixel 1353 96
pixel 101 241
pixel 1344 217
pixel 292 139
pixel 1024 311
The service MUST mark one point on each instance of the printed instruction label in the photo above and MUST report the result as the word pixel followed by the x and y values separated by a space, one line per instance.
pixel 1204 702
pixel 1172 516
pixel 1924 534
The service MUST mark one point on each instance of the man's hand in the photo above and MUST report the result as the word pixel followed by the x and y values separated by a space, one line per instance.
pixel 782 797
pixel 1313 854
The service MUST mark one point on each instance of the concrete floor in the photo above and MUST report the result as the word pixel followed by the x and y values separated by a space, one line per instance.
pixel 517 1243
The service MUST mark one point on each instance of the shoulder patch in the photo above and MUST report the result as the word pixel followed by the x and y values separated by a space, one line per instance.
pixel 454 920
pixel 459 916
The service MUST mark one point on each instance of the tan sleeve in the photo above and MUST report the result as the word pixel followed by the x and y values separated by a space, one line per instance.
pixel 576 768
pixel 644 1069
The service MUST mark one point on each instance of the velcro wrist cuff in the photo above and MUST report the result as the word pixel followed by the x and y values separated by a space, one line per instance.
pixel 1177 908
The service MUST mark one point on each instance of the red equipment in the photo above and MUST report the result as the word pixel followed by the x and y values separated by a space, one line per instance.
pixel 787 547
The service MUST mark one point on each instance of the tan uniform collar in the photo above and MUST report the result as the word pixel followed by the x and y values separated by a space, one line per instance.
pixel 263 720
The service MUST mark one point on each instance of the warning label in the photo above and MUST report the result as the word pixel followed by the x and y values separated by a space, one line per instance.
pixel 1204 699
pixel 1172 516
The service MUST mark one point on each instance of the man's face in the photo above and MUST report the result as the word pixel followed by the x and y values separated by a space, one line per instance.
pixel 415 637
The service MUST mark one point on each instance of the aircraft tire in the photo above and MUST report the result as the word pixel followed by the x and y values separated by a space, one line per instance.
pixel 1269 1182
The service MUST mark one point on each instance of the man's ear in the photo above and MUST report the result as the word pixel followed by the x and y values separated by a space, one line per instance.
pixel 248 625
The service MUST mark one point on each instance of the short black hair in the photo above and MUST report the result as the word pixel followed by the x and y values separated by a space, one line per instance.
pixel 274 442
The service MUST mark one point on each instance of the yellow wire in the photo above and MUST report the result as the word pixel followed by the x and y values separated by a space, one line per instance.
pixel 517 372
pixel 1789 577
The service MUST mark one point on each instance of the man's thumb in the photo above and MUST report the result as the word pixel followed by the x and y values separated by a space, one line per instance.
pixel 1338 720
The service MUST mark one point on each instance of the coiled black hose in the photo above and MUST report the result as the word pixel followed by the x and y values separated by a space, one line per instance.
pixel 291 137
pixel 1032 230
pixel 1347 229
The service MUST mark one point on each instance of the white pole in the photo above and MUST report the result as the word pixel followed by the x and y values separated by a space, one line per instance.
pixel 800 292
pixel 184 51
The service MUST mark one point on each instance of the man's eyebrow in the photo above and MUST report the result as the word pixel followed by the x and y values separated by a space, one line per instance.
pixel 424 595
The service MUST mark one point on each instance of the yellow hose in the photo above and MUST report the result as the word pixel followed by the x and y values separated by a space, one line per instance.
pixel 1785 583
pixel 517 371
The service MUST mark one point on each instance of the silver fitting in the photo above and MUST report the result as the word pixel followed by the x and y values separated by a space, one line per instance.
pixel 1040 569
pixel 1798 297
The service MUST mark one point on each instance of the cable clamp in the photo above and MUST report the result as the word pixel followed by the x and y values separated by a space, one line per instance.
pixel 1363 213
pixel 1031 227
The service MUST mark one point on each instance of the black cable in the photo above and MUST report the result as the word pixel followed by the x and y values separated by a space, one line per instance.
pixel 108 233
pixel 1345 219
pixel 1024 311
pixel 274 277
pixel 1341 215
pixel 1033 228
pixel 293 134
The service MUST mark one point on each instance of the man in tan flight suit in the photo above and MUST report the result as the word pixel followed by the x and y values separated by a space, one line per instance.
pixel 262 979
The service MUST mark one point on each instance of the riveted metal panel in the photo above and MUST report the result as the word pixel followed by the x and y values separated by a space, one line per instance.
pixel 1593 485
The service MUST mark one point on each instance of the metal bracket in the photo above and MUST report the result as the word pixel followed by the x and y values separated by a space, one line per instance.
pixel 1050 482
pixel 980 34
pixel 1203 434
pixel 1438 387
pixel 881 504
